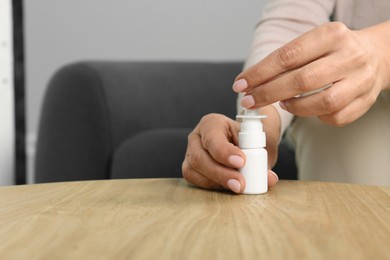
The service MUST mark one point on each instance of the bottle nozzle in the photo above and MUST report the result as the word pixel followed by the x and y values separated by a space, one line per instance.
pixel 250 114
pixel 251 134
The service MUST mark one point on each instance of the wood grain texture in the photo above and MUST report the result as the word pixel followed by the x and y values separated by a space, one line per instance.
pixel 169 219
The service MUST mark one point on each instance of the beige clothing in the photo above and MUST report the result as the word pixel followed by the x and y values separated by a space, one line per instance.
pixel 359 152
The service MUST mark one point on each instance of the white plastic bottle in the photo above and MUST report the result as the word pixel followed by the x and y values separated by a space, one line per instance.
pixel 251 140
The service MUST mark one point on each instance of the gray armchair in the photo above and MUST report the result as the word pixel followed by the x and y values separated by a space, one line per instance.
pixel 103 120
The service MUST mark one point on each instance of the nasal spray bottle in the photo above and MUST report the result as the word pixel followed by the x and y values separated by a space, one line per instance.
pixel 251 139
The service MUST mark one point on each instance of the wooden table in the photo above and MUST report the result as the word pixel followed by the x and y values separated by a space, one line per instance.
pixel 169 219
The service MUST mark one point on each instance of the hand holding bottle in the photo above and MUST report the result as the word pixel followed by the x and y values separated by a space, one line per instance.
pixel 213 157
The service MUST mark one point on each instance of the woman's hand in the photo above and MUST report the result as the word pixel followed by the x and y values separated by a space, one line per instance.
pixel 355 62
pixel 213 157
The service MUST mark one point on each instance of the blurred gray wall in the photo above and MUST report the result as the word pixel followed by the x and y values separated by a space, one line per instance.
pixel 59 32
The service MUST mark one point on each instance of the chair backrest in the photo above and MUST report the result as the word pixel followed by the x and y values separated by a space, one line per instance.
pixel 91 108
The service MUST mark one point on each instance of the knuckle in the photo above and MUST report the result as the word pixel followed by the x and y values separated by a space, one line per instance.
pixel 338 31
pixel 304 80
pixel 330 102
pixel 195 159
pixel 218 151
pixel 361 56
pixel 371 99
pixel 212 118
pixel 334 120
pixel 191 137
pixel 369 76
pixel 287 56
pixel 206 118
pixel 186 171
pixel 207 142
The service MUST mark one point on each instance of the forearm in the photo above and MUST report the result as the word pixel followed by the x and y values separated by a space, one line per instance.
pixel 283 21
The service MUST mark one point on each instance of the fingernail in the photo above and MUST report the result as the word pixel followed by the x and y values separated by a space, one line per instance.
pixel 248 101
pixel 236 161
pixel 282 105
pixel 234 185
pixel 240 85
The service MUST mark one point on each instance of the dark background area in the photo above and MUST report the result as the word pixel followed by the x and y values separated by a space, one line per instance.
pixel 19 90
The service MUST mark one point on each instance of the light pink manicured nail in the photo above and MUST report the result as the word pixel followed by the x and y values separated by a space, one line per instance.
pixel 248 101
pixel 234 185
pixel 240 85
pixel 236 161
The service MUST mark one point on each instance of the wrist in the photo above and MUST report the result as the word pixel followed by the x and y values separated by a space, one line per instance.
pixel 379 37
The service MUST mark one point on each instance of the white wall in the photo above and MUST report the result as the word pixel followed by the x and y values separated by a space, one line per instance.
pixel 59 32
pixel 7 132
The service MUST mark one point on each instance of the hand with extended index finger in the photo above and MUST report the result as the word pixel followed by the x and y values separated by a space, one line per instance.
pixel 355 62
pixel 213 157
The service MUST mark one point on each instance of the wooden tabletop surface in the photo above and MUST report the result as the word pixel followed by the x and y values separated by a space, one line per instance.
pixel 169 219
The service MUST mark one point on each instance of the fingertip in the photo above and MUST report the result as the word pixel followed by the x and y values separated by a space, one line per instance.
pixel 272 178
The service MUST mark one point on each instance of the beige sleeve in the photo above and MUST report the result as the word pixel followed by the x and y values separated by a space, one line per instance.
pixel 281 22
